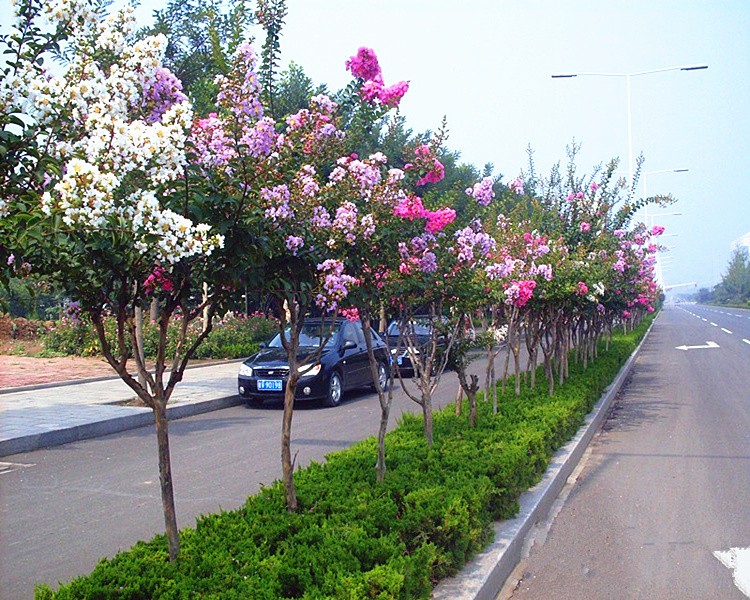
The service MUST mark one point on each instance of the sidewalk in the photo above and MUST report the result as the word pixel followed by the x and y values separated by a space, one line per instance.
pixel 51 414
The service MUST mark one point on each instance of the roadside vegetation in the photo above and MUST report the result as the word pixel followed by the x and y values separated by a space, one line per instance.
pixel 734 288
pixel 353 537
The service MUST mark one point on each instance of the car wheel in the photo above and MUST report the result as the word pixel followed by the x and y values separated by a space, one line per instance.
pixel 335 390
pixel 382 377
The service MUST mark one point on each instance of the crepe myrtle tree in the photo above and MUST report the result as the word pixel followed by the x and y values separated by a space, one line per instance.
pixel 104 210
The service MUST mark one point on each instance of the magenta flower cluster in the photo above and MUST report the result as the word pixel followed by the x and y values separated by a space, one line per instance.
pixel 427 165
pixel 518 293
pixel 364 65
pixel 158 280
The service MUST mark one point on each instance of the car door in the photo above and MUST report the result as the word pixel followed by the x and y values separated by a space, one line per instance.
pixel 354 363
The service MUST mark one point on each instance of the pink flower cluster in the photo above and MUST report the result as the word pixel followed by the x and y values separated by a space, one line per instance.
pixel 364 65
pixel 657 230
pixel 213 147
pixel 581 288
pixel 439 219
pixel 518 293
pixel 158 279
pixel 351 314
pixel 430 169
pixel 482 192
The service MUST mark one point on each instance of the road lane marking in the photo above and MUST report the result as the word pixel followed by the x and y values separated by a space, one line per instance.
pixel 708 345
pixel 746 341
pixel 725 330
pixel 714 324
pixel 704 320
pixel 737 560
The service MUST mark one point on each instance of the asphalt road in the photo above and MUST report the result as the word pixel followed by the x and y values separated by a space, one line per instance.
pixel 667 481
pixel 64 508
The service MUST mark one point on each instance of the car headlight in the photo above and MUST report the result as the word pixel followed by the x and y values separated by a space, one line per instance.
pixel 309 370
pixel 246 371
pixel 394 350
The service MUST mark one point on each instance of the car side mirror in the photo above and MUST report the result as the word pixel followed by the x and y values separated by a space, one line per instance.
pixel 348 345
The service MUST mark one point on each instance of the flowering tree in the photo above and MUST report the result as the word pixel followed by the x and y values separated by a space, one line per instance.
pixel 97 199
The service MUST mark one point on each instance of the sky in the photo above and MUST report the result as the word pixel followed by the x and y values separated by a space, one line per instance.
pixel 486 66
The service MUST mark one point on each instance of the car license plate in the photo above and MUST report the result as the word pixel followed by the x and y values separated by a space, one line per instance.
pixel 269 385
pixel 400 360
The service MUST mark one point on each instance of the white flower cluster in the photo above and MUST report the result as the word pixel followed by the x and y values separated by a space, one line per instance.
pixel 83 195
pixel 105 101
pixel 597 291
pixel 177 237
pixel 499 334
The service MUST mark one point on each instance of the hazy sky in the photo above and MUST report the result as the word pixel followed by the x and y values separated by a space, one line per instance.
pixel 486 66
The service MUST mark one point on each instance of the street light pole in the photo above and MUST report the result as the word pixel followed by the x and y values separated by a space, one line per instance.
pixel 628 77
pixel 645 194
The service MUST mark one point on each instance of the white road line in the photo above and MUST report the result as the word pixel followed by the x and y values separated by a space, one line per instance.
pixel 704 320
pixel 725 330
pixel 746 341
pixel 714 324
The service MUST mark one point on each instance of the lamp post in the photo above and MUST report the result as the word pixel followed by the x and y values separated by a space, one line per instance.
pixel 628 77
pixel 659 266
pixel 645 195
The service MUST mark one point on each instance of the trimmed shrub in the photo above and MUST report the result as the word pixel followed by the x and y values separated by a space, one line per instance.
pixel 355 539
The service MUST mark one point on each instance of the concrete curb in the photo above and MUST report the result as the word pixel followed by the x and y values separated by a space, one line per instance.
pixel 53 384
pixel 142 418
pixel 484 576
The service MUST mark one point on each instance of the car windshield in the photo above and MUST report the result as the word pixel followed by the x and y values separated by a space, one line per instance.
pixel 311 335
pixel 416 327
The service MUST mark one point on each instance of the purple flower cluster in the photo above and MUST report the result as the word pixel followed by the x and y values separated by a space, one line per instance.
pixel 346 221
pixel 336 284
pixel 161 90
pixel 240 91
pixel 482 192
pixel 473 244
pixel 294 243
pixel 277 202
pixel 261 138
pixel 517 186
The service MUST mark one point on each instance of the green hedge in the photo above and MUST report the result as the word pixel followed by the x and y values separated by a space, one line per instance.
pixel 353 538
pixel 234 336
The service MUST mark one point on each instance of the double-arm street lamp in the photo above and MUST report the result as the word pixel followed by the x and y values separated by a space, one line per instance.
pixel 628 77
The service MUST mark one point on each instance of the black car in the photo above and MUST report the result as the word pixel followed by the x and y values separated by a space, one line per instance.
pixel 342 364
pixel 416 340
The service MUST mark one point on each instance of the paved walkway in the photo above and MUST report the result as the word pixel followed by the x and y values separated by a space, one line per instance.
pixel 47 415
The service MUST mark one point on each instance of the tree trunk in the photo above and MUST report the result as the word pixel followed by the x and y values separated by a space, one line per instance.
pixel 385 398
pixel 290 310
pixel 427 414
pixel 287 463
pixel 165 478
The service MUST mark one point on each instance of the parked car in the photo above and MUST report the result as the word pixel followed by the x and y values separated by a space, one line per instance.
pixel 341 366
pixel 418 336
